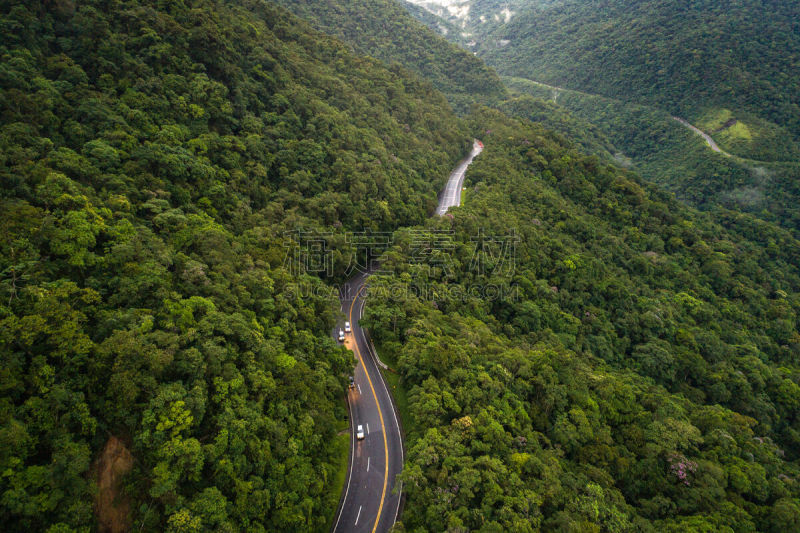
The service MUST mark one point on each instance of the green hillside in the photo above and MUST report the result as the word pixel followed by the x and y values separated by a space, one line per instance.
pixel 591 138
pixel 592 46
pixel 592 356
pixel 437 24
pixel 573 349
pixel 651 142
pixel 687 58
pixel 156 162
pixel 385 30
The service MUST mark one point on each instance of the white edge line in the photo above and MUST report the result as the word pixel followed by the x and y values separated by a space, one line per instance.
pixel 374 354
pixel 350 466
pixel 396 423
pixel 402 453
pixel 451 196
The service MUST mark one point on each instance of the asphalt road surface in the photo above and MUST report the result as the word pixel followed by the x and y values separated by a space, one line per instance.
pixel 709 141
pixel 371 494
pixel 451 196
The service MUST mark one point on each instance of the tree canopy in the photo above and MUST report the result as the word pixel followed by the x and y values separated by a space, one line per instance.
pixel 631 366
pixel 155 157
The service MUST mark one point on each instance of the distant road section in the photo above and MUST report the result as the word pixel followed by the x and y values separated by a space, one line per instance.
pixel 709 141
pixel 451 196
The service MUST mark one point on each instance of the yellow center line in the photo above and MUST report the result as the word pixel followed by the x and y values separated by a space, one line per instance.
pixel 378 405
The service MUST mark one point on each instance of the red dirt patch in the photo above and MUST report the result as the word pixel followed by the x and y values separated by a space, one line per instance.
pixel 113 510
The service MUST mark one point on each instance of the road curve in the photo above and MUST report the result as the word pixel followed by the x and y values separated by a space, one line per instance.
pixel 706 137
pixel 370 502
pixel 451 196
pixel 372 495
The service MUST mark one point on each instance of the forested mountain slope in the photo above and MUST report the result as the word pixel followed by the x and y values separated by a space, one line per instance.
pixel 153 158
pixel 592 355
pixel 476 18
pixel 437 24
pixel 687 58
pixel 385 30
pixel 634 366
pixel 649 141
pixel 731 69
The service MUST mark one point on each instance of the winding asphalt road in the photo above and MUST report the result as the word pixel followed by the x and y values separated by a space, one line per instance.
pixel 372 494
pixel 451 196
pixel 371 500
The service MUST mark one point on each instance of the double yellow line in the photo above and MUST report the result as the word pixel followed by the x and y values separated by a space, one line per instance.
pixel 378 405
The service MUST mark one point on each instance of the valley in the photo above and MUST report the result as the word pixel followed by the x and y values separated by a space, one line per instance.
pixel 250 282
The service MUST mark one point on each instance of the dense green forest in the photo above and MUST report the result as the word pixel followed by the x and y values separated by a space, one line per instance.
pixel 595 47
pixel 153 157
pixel 685 57
pixel 437 24
pixel 663 151
pixel 613 361
pixel 474 19
pixel 635 366
pixel 385 30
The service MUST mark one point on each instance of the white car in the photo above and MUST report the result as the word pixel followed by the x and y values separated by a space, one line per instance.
pixel 360 432
pixel 341 336
pixel 347 327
